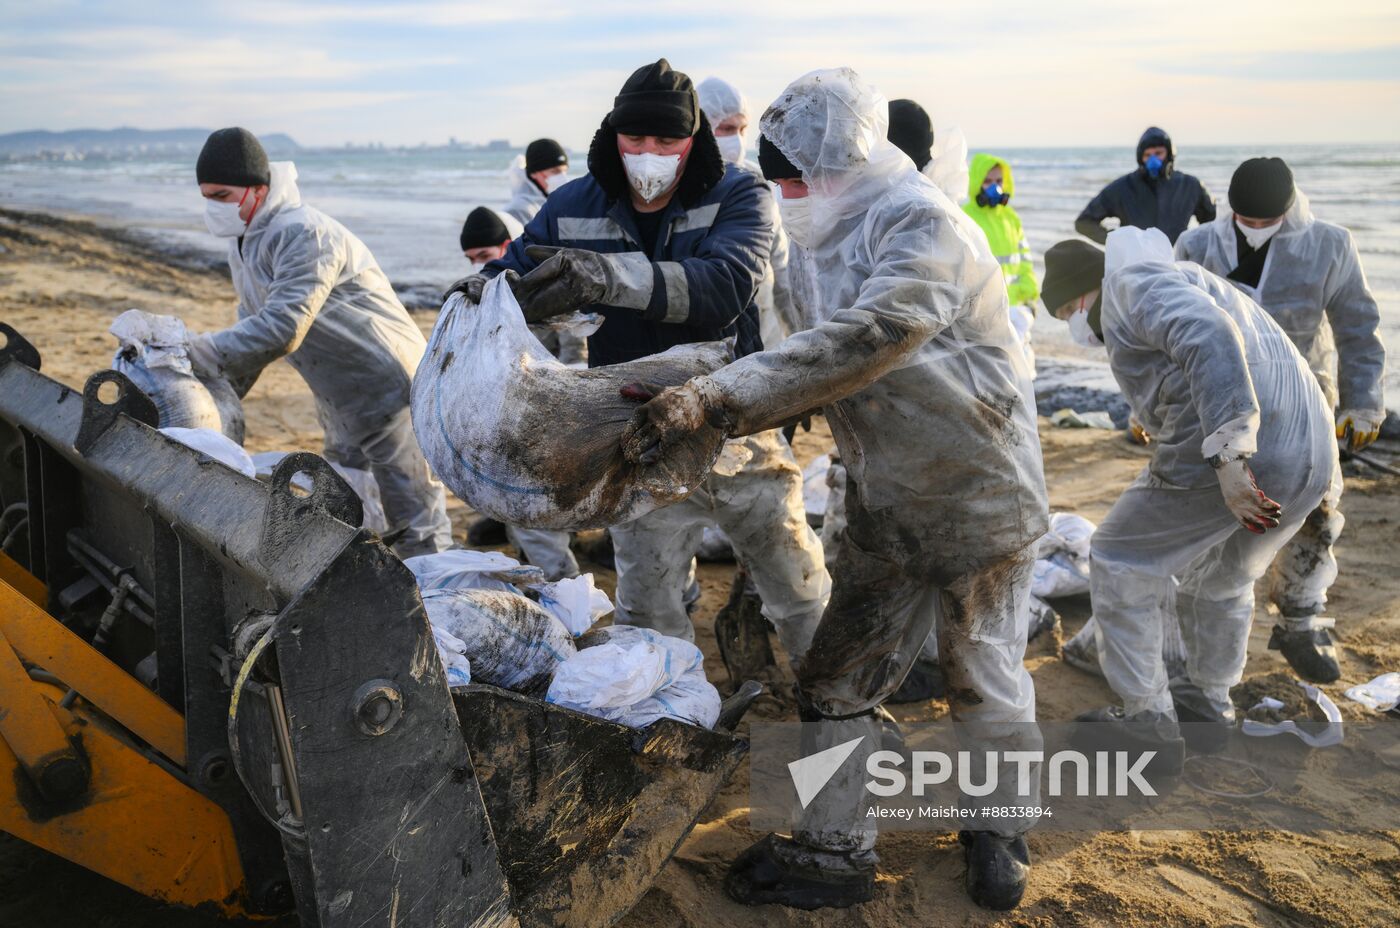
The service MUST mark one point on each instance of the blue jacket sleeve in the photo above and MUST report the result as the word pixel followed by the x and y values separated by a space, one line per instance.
pixel 715 285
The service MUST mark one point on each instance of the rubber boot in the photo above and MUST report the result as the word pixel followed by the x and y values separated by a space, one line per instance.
pixel 924 681
pixel 997 868
pixel 1310 652
pixel 779 871
pixel 1206 724
pixel 485 532
pixel 1110 729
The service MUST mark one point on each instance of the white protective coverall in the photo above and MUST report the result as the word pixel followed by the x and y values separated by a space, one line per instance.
pixel 526 197
pixel 947 167
pixel 754 495
pixel 908 347
pixel 310 291
pixel 777 318
pixel 1314 288
pixel 1205 370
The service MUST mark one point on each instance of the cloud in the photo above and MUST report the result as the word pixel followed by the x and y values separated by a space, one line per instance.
pixel 1077 71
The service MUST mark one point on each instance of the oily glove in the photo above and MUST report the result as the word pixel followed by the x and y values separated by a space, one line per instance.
pixel 204 358
pixel 567 279
pixel 1244 499
pixel 472 287
pixel 669 416
pixel 1358 428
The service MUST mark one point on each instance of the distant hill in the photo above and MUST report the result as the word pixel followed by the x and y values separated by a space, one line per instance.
pixel 120 142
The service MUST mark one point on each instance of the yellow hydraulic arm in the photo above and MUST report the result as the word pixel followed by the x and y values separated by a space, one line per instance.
pixel 96 779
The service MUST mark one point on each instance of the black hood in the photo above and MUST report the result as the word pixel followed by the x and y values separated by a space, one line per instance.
pixel 703 169
pixel 1152 138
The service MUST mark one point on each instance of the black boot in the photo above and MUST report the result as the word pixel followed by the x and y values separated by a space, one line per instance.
pixel 997 868
pixel 1206 724
pixel 1309 652
pixel 485 532
pixel 924 681
pixel 779 871
pixel 1110 729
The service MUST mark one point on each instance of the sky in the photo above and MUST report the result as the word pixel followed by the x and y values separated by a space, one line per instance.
pixel 1061 73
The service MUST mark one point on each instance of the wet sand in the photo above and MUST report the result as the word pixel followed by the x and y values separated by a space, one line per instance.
pixel 63 281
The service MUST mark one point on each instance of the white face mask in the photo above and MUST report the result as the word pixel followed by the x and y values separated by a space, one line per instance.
pixel 731 147
pixel 554 181
pixel 651 175
pixel 1257 237
pixel 223 219
pixel 797 219
pixel 1080 331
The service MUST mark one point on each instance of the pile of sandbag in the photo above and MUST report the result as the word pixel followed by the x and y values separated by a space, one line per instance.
pixel 636 676
pixel 154 355
pixel 499 622
pixel 526 440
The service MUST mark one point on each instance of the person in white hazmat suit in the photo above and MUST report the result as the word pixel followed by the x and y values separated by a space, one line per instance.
pixel 1243 451
pixel 909 351
pixel 533 176
pixel 310 291
pixel 1307 275
pixel 728 112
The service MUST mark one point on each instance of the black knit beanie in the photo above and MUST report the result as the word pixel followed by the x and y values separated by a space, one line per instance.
pixel 543 154
pixel 911 131
pixel 1072 269
pixel 234 157
pixel 773 163
pixel 656 101
pixel 483 229
pixel 1262 188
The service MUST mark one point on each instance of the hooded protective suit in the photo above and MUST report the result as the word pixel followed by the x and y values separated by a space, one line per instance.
pixel 1314 288
pixel 1206 371
pixel 1002 226
pixel 777 318
pixel 910 352
pixel 948 166
pixel 1166 202
pixel 310 291
pixel 526 197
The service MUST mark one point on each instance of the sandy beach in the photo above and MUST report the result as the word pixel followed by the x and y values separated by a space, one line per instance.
pixel 63 280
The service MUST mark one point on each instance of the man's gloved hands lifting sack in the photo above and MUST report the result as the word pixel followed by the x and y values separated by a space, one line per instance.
pixel 529 441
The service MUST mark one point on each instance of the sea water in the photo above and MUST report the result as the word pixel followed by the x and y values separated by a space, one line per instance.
pixel 408 205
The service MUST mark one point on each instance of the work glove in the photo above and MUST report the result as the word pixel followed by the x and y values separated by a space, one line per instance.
pixel 1358 428
pixel 1244 499
pixel 1137 433
pixel 567 279
pixel 474 286
pixel 204 359
pixel 669 415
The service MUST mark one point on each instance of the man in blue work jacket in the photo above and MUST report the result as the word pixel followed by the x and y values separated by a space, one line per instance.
pixel 670 243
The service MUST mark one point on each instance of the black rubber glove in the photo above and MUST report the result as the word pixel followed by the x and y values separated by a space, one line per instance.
pixel 566 280
pixel 472 287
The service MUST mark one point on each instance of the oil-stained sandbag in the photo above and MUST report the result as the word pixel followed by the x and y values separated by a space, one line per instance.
pixel 508 640
pixel 153 354
pixel 635 676
pixel 530 442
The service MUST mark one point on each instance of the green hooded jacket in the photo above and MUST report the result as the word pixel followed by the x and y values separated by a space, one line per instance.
pixel 1003 229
